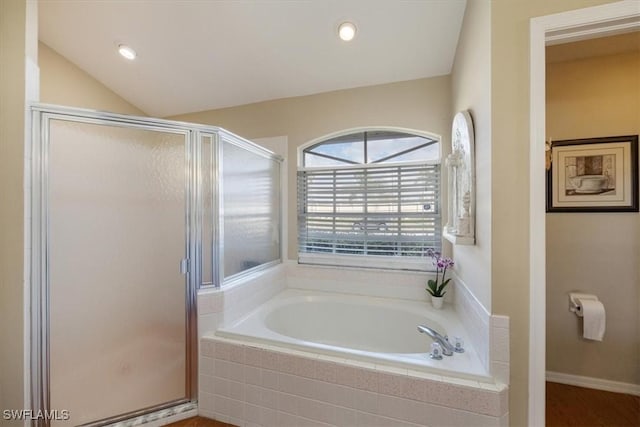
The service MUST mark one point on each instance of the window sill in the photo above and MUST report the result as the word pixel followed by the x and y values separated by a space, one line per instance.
pixel 420 265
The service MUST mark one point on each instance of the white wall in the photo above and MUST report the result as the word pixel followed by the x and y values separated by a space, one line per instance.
pixel 595 253
pixel 471 89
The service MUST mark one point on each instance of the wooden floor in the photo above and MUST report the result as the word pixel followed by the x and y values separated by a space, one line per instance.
pixel 570 406
pixel 199 422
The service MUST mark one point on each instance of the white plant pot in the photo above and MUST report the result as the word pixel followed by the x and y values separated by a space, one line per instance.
pixel 437 302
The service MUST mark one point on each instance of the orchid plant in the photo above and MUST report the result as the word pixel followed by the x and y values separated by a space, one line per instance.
pixel 436 287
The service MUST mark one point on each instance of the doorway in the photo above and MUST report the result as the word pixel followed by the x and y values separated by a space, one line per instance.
pixel 568 26
pixel 592 93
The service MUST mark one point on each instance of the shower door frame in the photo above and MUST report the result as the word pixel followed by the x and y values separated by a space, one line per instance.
pixel 40 321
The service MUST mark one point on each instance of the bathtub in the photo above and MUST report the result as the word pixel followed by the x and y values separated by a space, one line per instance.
pixel 380 331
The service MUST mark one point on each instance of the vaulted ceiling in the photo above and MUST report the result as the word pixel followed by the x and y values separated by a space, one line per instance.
pixel 197 55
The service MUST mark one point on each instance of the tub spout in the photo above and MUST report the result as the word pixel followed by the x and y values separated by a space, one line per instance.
pixel 447 348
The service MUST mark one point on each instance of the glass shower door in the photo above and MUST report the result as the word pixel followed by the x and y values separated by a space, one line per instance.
pixel 117 198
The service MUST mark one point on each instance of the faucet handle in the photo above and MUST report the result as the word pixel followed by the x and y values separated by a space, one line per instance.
pixel 436 351
pixel 458 345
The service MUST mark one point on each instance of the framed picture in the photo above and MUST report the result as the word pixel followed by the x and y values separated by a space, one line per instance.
pixel 594 175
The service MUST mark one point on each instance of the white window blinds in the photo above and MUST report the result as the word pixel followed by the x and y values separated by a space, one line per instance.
pixel 391 211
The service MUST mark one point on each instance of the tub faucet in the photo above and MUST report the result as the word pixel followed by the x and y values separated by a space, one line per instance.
pixel 447 348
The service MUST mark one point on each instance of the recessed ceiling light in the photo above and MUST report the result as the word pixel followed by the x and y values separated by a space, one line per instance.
pixel 347 31
pixel 127 52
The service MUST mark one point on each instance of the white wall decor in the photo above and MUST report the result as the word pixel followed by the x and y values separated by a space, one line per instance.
pixel 460 228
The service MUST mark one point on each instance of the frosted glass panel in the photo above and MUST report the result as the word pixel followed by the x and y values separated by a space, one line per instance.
pixel 208 209
pixel 251 209
pixel 117 298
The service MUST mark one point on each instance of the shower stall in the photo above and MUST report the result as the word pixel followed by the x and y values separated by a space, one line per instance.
pixel 130 216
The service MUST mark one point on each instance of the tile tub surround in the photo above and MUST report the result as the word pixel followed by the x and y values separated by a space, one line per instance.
pixel 362 281
pixel 489 333
pixel 217 307
pixel 259 385
pixel 474 317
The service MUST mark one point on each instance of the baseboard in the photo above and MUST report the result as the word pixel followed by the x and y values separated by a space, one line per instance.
pixel 596 383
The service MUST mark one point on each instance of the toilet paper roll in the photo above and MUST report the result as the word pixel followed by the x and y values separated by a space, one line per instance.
pixel 593 319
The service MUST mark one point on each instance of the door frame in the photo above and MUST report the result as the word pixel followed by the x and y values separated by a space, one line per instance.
pixel 580 24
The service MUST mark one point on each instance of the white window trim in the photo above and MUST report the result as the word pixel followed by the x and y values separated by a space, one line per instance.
pixel 366 261
pixel 421 264
pixel 422 133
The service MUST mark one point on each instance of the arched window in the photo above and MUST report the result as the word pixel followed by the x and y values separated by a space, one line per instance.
pixel 370 199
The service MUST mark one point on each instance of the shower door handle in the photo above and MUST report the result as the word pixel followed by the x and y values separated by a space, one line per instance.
pixel 184 266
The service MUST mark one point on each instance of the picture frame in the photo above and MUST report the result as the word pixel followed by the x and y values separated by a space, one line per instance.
pixel 593 175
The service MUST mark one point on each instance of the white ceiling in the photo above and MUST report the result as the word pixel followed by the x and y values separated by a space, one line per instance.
pixel 196 55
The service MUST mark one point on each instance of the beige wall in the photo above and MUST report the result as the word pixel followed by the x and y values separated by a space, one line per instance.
pixel 596 253
pixel 471 89
pixel 18 83
pixel 510 177
pixel 423 104
pixel 63 83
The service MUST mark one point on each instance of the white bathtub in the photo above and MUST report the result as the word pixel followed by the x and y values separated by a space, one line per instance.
pixel 381 331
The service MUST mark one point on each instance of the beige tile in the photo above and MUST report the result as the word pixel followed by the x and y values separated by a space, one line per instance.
pixel 270 379
pixel 253 414
pixel 288 403
pixel 305 367
pixel 345 417
pixel 392 422
pixel 229 370
pixel 322 391
pixel 287 420
pixel 342 395
pixel 364 419
pixel 288 383
pixel 504 402
pixel 366 379
pixel 269 417
pixel 204 304
pixel 392 384
pixel 365 401
pixel 205 402
pixel 253 356
pixel 415 389
pixel 499 321
pixel 394 407
pixel 318 411
pixel 207 348
pixel 229 407
pixel 206 365
pixel 252 375
pixel 269 398
pixel 499 344
pixel 307 388
pixel 208 323
pixel 252 394
pixel 325 371
pixel 345 375
pixel 500 371
pixel 504 420
pixel 217 303
pixel 270 360
pixel 222 350
pixel 206 383
pixel 230 389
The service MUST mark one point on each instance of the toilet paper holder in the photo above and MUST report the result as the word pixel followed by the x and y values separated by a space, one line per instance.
pixel 575 306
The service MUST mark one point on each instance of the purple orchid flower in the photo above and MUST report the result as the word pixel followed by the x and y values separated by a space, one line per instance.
pixel 436 287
